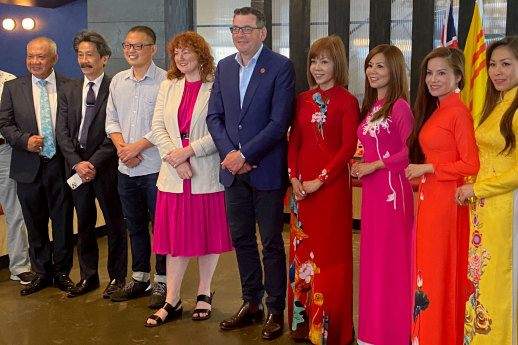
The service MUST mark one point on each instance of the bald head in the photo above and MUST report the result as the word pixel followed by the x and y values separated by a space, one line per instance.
pixel 41 57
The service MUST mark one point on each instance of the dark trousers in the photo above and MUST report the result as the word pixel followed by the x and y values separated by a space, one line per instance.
pixel 48 196
pixel 138 199
pixel 245 205
pixel 104 188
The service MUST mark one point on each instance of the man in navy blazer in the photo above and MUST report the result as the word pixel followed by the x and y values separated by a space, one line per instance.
pixel 250 109
pixel 28 107
pixel 91 155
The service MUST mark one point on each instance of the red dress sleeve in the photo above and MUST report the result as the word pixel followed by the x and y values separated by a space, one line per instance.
pixel 468 162
pixel 350 121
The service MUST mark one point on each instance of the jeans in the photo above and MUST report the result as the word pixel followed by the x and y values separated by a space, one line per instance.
pixel 138 200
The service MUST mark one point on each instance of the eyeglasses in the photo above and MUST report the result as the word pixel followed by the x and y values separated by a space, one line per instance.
pixel 246 29
pixel 136 46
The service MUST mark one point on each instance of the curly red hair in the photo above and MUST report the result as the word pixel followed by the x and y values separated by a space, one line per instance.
pixel 197 44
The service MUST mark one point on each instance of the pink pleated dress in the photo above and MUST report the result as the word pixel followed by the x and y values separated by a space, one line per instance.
pixel 189 224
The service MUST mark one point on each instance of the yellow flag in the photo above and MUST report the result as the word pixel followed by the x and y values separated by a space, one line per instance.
pixel 474 92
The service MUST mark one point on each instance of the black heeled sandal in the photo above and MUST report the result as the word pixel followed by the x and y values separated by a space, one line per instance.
pixel 172 312
pixel 206 299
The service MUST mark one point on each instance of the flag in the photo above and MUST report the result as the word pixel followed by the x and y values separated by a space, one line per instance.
pixel 449 34
pixel 474 92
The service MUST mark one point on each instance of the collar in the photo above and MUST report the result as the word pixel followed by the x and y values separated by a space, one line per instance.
pixel 510 95
pixel 96 81
pixel 450 99
pixel 51 79
pixel 252 61
pixel 150 73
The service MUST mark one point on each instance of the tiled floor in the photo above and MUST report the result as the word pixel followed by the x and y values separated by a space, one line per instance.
pixel 49 317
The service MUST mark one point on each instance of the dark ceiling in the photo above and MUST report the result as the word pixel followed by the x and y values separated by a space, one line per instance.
pixel 38 3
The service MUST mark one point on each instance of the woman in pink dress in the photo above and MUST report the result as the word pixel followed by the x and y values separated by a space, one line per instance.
pixel 387 202
pixel 190 213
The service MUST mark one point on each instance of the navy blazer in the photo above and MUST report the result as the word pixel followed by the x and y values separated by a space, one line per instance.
pixel 260 126
pixel 18 123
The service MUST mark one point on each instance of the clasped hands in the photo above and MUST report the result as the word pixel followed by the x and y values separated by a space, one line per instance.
pixel 177 158
pixel 464 193
pixel 302 189
pixel 236 164
pixel 129 154
pixel 86 171
pixel 363 169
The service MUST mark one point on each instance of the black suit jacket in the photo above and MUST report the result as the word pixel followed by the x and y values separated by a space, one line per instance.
pixel 100 150
pixel 18 123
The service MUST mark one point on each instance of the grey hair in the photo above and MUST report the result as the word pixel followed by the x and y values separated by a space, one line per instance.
pixel 52 45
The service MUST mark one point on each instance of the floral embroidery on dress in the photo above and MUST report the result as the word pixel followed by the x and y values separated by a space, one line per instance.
pixel 320 117
pixel 323 175
pixel 373 128
pixel 302 280
pixel 421 303
pixel 477 319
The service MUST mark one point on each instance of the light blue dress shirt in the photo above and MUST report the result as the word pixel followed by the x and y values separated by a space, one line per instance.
pixel 245 73
pixel 129 111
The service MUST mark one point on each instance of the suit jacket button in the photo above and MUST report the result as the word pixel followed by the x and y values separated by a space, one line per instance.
pixel 240 127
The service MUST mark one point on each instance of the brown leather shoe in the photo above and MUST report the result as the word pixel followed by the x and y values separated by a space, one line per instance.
pixel 273 326
pixel 247 314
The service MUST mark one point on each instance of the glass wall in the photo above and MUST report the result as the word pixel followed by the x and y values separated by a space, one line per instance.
pixel 213 18
pixel 319 22
pixel 401 30
pixel 358 46
pixel 493 16
pixel 280 27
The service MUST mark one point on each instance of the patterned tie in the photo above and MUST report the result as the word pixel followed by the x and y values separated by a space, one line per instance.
pixel 49 149
pixel 89 115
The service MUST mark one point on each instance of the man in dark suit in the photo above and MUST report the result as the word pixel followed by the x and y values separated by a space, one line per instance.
pixel 250 109
pixel 27 121
pixel 92 156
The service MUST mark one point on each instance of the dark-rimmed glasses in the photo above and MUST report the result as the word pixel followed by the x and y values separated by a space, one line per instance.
pixel 136 46
pixel 246 29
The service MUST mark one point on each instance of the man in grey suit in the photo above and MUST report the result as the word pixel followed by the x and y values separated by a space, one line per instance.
pixel 27 121
pixel 17 246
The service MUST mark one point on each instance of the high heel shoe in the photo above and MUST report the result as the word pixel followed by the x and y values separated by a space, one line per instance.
pixel 206 299
pixel 172 312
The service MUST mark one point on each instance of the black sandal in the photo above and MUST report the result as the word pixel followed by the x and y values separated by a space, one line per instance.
pixel 172 312
pixel 206 299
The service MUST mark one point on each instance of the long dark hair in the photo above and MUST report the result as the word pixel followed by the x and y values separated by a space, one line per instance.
pixel 493 95
pixel 425 103
pixel 398 84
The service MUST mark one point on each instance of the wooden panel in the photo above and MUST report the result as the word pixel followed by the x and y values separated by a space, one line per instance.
pixel 422 39
pixel 299 40
pixel 379 28
pixel 339 20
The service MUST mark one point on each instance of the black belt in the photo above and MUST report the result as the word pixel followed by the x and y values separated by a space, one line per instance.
pixel 184 135
pixel 2 141
pixel 44 159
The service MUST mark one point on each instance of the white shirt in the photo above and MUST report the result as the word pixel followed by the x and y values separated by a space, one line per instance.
pixel 4 76
pixel 53 99
pixel 97 84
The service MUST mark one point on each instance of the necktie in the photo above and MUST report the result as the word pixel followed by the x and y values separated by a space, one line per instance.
pixel 89 114
pixel 49 149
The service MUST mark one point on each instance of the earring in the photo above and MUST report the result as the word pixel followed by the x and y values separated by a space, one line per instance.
pixel 457 90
